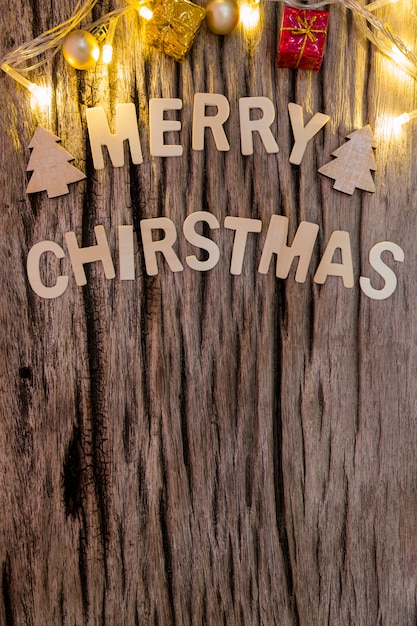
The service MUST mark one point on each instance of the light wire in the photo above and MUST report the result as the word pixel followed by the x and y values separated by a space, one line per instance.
pixel 49 42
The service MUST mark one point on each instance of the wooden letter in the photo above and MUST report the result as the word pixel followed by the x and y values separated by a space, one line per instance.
pixel 201 242
pixel 215 122
pixel 33 270
pixel 151 247
pixel 126 253
pixel 382 269
pixel 303 134
pixel 80 256
pixel 242 226
pixel 275 243
pixel 262 126
pixel 100 135
pixel 159 126
pixel 338 239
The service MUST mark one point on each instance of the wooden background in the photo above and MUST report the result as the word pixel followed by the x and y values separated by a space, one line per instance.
pixel 202 448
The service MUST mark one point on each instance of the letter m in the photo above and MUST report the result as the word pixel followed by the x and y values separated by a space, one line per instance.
pixel 100 135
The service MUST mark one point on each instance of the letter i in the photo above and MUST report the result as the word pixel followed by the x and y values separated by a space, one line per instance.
pixel 126 253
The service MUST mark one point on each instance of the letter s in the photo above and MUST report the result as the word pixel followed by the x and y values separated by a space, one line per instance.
pixel 382 269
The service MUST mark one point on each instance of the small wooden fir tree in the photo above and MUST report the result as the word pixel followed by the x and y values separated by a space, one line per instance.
pixel 353 163
pixel 49 162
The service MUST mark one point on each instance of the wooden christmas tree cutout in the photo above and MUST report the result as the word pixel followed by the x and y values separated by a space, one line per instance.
pixel 353 163
pixel 49 162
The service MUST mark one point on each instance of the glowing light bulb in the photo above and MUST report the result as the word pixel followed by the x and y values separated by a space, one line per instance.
pixel 43 95
pixel 249 15
pixel 107 53
pixel 404 119
pixel 397 55
pixel 145 13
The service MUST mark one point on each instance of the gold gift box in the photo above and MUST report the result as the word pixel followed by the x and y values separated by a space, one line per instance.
pixel 173 27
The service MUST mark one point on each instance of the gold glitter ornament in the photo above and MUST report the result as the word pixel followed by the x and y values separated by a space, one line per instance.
pixel 222 16
pixel 81 49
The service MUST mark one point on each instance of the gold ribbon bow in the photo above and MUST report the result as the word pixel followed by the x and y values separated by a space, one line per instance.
pixel 307 28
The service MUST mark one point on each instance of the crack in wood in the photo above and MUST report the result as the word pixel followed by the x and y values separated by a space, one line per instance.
pixel 6 590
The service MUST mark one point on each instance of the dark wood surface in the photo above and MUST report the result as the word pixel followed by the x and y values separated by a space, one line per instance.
pixel 200 448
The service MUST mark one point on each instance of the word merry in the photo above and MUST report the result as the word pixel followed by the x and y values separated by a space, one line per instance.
pixel 127 128
pixel 276 243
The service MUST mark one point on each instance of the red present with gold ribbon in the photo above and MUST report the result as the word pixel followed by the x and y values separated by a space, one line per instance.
pixel 303 38
pixel 173 27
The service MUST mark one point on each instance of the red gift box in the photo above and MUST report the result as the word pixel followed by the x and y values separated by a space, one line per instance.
pixel 302 39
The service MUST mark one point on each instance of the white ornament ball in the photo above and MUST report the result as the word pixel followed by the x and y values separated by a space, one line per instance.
pixel 222 16
pixel 80 49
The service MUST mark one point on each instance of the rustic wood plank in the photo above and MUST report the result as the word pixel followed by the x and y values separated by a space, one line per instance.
pixel 197 447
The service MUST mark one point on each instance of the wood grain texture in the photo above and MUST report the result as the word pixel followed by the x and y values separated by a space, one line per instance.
pixel 200 448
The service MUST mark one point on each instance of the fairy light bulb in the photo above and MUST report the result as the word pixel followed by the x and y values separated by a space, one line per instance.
pixel 107 51
pixel 397 55
pixel 43 95
pixel 249 14
pixel 145 13
pixel 404 118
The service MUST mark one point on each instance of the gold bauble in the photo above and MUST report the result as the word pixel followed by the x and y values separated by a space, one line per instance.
pixel 222 16
pixel 80 49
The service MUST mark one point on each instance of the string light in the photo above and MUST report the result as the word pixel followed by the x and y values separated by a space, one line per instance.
pixel 49 42
pixel 46 45
pixel 370 27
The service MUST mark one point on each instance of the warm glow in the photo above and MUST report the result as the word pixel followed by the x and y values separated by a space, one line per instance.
pixel 145 13
pixel 43 95
pixel 95 53
pixel 249 15
pixel 397 55
pixel 398 72
pixel 372 6
pixel 402 119
pixel 394 125
pixel 107 53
